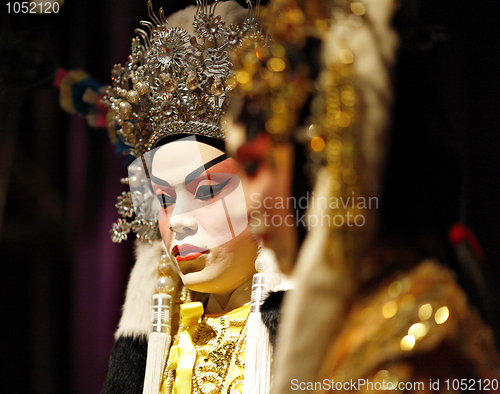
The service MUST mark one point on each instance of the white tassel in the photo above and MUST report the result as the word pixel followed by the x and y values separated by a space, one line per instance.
pixel 258 348
pixel 158 343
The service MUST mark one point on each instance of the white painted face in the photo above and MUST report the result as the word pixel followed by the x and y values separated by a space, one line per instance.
pixel 203 219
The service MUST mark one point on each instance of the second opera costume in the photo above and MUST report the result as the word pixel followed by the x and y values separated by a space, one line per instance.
pixel 362 310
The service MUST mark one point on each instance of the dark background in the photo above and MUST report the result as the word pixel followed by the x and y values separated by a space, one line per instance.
pixel 63 281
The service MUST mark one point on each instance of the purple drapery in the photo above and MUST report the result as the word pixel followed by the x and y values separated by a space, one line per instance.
pixel 101 267
pixel 99 38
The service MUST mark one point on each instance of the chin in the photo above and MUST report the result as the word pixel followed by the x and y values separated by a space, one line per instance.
pixel 203 283
pixel 197 287
pixel 197 274
pixel 223 269
pixel 209 273
pixel 197 281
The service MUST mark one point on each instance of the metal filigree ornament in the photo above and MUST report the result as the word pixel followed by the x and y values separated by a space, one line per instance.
pixel 173 83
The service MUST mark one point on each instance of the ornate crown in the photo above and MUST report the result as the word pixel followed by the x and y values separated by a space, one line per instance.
pixel 172 84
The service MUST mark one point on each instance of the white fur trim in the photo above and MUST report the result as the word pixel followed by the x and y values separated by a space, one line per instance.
pixel 136 316
pixel 230 12
pixel 268 264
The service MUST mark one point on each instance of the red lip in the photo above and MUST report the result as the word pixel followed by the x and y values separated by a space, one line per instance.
pixel 187 252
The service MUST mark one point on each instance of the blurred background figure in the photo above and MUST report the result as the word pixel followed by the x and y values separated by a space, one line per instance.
pixel 315 105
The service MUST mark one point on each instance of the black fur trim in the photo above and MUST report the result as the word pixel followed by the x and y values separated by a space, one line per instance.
pixel 270 313
pixel 127 366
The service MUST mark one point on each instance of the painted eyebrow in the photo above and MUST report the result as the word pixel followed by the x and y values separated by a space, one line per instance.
pixel 192 176
pixel 151 177
pixel 159 181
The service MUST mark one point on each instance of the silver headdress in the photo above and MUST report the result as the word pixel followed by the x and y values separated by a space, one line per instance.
pixel 173 83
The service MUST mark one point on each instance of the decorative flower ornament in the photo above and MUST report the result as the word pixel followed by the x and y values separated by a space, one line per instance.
pixel 168 47
pixel 209 27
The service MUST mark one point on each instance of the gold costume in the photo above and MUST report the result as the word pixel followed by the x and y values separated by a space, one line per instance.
pixel 415 332
pixel 218 346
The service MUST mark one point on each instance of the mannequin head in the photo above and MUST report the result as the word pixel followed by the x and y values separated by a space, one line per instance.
pixel 203 220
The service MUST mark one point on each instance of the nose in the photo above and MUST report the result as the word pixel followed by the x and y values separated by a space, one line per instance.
pixel 183 225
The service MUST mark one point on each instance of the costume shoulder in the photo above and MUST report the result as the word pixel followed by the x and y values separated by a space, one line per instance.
pixel 136 315
pixel 270 312
pixel 128 357
pixel 417 324
pixel 127 366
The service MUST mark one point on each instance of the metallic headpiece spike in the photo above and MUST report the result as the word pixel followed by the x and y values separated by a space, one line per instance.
pixel 175 83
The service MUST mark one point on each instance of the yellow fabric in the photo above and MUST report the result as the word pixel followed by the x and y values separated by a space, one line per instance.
pixel 183 355
pixel 238 313
pixel 191 313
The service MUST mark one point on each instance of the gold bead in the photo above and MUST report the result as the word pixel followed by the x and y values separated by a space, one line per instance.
pixel 170 83
pixel 142 88
pixel 125 108
pixel 132 96
pixel 243 77
pixel 164 268
pixel 191 81
pixel 127 127
pixel 317 144
pixel 276 64
pixel 217 87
